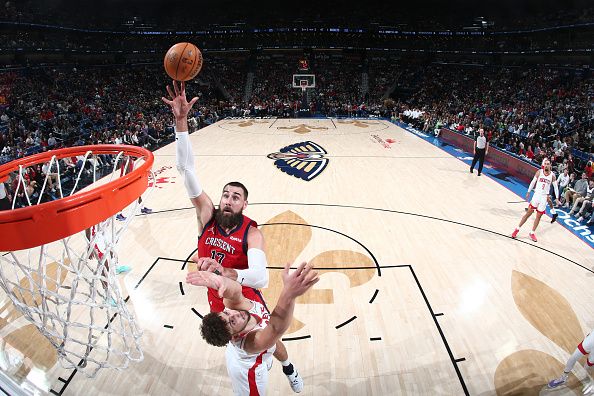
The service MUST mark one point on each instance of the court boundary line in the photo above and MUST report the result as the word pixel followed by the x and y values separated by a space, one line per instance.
pixel 453 360
pixel 408 214
pixel 443 143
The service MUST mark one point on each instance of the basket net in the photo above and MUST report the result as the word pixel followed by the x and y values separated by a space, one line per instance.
pixel 68 288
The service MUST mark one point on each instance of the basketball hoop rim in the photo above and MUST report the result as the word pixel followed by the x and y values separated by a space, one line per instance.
pixel 37 225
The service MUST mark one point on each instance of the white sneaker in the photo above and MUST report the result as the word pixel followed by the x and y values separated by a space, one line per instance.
pixel 557 382
pixel 295 381
pixel 588 388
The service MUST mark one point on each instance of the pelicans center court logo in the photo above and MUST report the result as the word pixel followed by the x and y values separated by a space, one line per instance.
pixel 303 160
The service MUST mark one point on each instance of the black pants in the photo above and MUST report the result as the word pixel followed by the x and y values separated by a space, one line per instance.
pixel 5 204
pixel 479 156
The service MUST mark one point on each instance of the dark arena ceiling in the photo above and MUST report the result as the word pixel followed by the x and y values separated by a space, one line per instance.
pixel 418 13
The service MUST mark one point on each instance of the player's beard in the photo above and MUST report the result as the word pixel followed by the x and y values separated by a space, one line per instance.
pixel 228 220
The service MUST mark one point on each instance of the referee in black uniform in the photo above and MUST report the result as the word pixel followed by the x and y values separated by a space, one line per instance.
pixel 481 148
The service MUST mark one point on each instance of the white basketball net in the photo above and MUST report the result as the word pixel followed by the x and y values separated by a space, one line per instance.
pixel 69 290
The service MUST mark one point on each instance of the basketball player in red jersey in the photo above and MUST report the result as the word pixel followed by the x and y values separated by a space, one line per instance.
pixel 230 244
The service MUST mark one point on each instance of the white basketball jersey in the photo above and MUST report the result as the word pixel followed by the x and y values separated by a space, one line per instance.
pixel 543 184
pixel 262 316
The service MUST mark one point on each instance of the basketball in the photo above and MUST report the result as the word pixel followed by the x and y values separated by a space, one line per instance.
pixel 183 61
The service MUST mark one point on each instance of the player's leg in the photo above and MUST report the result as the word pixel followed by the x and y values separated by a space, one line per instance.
pixel 289 370
pixel 120 269
pixel 532 233
pixel 583 349
pixel 553 211
pixel 144 209
pixel 238 373
pixel 523 220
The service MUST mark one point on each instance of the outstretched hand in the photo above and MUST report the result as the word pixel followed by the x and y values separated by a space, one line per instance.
pixel 300 280
pixel 178 102
pixel 207 279
pixel 207 264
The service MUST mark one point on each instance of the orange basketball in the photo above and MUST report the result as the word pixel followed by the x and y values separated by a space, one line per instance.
pixel 183 61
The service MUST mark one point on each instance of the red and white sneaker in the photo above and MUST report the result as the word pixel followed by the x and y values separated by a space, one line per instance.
pixel 515 233
pixel 532 236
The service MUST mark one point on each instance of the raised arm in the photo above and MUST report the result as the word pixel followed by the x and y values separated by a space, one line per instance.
pixel 229 290
pixel 184 156
pixel 296 284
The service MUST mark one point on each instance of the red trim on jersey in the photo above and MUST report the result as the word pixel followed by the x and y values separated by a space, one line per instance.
pixel 96 247
pixel 130 168
pixel 252 375
pixel 589 362
pixel 536 208
pixel 581 348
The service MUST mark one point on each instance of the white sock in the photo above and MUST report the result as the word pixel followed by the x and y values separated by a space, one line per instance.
pixel 286 362
pixel 553 211
pixel 575 356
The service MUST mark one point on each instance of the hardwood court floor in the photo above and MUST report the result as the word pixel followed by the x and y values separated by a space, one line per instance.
pixel 422 292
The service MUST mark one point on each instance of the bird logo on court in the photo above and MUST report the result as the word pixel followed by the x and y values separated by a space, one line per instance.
pixel 359 124
pixel 303 160
pixel 303 128
pixel 247 123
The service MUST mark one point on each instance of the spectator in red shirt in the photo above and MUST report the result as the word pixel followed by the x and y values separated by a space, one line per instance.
pixel 529 153
pixel 588 169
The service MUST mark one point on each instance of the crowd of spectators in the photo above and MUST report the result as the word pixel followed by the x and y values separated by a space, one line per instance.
pixel 529 112
pixel 533 113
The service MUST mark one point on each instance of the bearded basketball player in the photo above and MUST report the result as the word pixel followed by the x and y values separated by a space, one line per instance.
pixel 230 244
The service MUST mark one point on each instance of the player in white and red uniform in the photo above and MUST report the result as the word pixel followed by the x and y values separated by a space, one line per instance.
pixel 126 167
pixel 230 244
pixel 543 179
pixel 241 363
pixel 100 241
pixel 246 328
pixel 584 348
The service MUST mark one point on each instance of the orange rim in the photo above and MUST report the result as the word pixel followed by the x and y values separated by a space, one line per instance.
pixel 37 225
